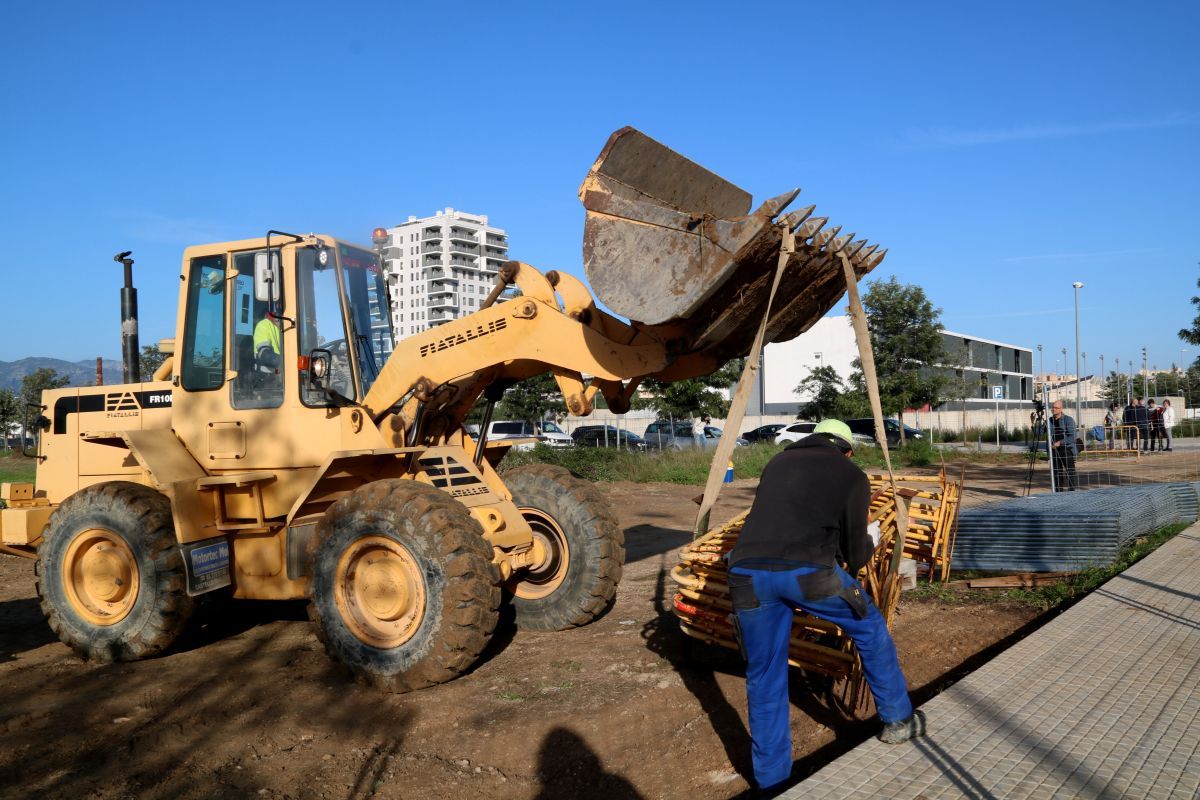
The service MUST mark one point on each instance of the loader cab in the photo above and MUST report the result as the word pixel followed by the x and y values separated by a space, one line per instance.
pixel 253 324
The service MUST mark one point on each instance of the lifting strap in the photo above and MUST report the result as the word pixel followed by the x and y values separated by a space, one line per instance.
pixel 866 355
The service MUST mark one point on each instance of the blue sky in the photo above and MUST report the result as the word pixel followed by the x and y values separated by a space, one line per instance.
pixel 1000 151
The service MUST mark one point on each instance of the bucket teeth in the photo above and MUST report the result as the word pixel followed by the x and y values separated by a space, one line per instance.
pixel 810 228
pixel 772 208
pixel 796 218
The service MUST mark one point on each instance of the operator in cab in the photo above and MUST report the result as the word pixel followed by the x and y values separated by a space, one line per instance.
pixel 266 344
pixel 804 539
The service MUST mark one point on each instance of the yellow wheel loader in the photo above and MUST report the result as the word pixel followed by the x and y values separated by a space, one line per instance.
pixel 289 448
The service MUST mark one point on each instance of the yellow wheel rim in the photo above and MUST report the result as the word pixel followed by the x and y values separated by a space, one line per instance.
pixel 380 591
pixel 547 574
pixel 101 576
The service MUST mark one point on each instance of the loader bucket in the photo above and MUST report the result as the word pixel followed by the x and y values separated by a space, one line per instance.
pixel 672 246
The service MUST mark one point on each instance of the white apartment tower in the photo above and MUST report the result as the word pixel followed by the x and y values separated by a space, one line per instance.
pixel 441 268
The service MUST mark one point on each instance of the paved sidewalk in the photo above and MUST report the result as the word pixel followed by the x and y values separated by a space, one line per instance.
pixel 1102 702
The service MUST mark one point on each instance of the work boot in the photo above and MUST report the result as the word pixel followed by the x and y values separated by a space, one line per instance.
pixel 897 732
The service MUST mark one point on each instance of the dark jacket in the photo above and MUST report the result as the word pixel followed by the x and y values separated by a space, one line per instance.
pixel 811 508
pixel 1130 415
pixel 1063 433
pixel 1141 415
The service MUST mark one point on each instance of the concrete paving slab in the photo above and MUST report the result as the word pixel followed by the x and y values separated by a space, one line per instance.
pixel 1102 702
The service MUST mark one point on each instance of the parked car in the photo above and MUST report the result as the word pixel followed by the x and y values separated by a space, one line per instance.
pixel 607 436
pixel 764 433
pixel 794 432
pixel 660 436
pixel 545 432
pixel 866 427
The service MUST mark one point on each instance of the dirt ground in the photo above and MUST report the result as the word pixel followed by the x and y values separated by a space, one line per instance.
pixel 248 705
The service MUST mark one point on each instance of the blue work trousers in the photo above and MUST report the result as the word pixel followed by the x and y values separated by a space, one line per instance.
pixel 766 631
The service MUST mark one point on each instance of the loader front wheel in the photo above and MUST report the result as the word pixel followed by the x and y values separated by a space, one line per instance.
pixel 580 545
pixel 403 590
pixel 110 578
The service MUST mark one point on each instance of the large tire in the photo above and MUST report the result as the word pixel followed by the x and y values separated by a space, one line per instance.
pixel 404 592
pixel 578 580
pixel 110 577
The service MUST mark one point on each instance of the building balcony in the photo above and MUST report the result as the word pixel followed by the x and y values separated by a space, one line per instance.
pixel 444 302
pixel 430 273
pixel 467 256
pixel 431 259
pixel 443 284
pixel 431 248
pixel 497 241
pixel 431 234
pixel 463 235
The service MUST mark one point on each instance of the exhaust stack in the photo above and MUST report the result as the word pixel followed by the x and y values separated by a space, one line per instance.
pixel 130 351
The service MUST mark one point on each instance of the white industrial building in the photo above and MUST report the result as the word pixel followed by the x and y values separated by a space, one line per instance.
pixel 991 367
pixel 441 268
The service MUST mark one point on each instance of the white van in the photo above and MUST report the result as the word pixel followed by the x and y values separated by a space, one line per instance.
pixel 546 432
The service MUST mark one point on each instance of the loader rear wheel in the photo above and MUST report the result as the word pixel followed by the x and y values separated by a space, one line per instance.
pixel 110 578
pixel 404 592
pixel 582 549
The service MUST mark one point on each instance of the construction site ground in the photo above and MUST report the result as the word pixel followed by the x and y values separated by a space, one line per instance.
pixel 248 705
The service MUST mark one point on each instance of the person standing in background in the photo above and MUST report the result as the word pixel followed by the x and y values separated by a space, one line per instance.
pixel 1155 415
pixel 1129 420
pixel 1142 417
pixel 1110 425
pixel 1062 446
pixel 1168 422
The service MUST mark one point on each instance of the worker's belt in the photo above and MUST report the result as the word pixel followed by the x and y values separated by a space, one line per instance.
pixel 821 584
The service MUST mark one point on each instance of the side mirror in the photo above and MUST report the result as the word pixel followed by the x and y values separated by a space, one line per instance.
pixel 318 367
pixel 266 278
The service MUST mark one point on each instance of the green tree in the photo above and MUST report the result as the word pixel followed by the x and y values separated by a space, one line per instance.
pixel 825 387
pixel 1192 335
pixel 531 398
pixel 906 340
pixel 692 397
pixel 150 359
pixel 32 386
pixel 10 414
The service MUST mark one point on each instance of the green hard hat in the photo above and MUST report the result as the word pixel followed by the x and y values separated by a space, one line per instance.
pixel 835 427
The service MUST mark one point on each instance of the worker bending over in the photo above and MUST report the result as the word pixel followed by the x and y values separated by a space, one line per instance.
pixel 809 516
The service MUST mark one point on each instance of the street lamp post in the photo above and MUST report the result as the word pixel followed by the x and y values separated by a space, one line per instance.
pixel 1103 377
pixel 1145 376
pixel 1086 395
pixel 1078 374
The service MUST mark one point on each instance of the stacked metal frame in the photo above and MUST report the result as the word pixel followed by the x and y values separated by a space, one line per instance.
pixel 1068 531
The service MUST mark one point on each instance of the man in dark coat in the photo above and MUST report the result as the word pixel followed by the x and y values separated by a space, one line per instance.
pixel 809 516
pixel 1129 420
pixel 1142 417
pixel 1062 444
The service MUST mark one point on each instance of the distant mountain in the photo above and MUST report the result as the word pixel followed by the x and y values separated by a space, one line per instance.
pixel 81 373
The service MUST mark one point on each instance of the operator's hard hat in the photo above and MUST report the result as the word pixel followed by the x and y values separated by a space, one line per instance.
pixel 835 427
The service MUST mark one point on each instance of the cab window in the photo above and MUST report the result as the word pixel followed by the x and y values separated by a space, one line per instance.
pixel 321 326
pixel 203 353
pixel 256 351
